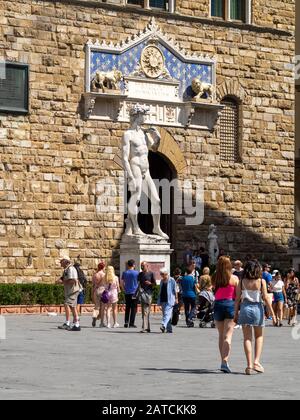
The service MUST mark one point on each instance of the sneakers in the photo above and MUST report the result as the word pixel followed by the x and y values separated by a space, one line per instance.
pixel 116 325
pixel 225 368
pixel 132 326
pixel 94 322
pixel 125 325
pixel 102 325
pixel 163 329
pixel 65 326
pixel 108 326
pixel 74 328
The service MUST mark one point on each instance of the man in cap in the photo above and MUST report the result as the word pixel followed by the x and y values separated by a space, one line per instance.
pixel 72 288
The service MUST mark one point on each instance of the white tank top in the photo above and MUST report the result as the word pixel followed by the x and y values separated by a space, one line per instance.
pixel 253 296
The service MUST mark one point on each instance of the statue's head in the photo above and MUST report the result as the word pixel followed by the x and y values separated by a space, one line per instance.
pixel 212 228
pixel 118 75
pixel 196 85
pixel 138 111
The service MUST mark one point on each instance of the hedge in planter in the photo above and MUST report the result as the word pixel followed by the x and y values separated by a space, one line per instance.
pixel 43 294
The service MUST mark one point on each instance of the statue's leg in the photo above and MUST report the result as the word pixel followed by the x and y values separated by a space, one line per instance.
pixel 134 201
pixel 151 192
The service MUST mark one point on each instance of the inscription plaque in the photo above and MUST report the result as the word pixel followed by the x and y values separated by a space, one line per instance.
pixel 14 88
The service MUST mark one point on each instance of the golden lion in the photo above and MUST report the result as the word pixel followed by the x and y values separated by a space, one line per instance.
pixel 200 88
pixel 106 80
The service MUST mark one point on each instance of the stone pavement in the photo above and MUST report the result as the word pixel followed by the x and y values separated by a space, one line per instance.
pixel 37 361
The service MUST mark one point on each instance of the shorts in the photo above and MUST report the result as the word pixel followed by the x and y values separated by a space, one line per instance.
pixel 252 314
pixel 278 297
pixel 80 299
pixel 71 300
pixel 224 309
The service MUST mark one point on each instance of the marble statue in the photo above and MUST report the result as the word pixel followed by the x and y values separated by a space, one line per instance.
pixel 135 148
pixel 213 247
pixel 106 80
pixel 294 242
pixel 200 88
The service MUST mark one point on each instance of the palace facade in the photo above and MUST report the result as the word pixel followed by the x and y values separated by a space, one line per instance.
pixel 59 153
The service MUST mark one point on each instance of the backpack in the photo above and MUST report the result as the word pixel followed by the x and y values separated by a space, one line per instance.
pixel 81 276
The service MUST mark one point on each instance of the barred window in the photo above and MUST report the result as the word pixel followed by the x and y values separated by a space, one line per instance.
pixel 230 131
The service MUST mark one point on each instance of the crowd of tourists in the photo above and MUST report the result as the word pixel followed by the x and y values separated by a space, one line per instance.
pixel 237 295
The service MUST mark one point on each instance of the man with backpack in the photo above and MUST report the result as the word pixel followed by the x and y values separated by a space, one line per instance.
pixel 83 283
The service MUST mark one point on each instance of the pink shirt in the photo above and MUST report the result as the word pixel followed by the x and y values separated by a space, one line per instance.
pixel 226 293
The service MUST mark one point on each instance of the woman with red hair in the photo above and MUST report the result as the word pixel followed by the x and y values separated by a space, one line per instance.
pixel 98 287
pixel 225 285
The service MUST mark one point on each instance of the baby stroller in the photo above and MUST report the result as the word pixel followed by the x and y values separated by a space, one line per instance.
pixel 206 309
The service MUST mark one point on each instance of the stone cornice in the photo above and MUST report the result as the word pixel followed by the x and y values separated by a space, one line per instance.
pixel 178 17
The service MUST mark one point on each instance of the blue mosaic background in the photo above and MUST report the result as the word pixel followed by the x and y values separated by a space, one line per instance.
pixel 129 60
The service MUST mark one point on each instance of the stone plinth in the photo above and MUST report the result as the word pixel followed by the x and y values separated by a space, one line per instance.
pixel 151 248
pixel 294 254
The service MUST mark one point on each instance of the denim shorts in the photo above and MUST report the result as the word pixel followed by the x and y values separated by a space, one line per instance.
pixel 223 309
pixel 80 299
pixel 252 314
pixel 278 297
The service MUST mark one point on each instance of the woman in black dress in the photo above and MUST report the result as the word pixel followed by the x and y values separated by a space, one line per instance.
pixel 292 293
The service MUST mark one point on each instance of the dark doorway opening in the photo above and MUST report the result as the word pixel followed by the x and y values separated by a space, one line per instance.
pixel 160 169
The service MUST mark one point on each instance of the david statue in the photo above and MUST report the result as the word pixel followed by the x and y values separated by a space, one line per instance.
pixel 135 148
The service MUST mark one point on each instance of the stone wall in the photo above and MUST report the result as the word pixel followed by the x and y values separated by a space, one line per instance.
pixel 52 159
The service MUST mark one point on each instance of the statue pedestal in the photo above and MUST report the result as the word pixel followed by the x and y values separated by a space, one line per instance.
pixel 294 254
pixel 151 248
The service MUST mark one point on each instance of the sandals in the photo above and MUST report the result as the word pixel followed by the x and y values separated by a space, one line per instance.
pixel 259 368
pixel 256 368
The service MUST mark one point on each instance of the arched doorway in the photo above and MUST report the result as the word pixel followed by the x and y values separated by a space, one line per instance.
pixel 160 169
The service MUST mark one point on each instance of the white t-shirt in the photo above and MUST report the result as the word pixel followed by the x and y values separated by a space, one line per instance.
pixel 277 286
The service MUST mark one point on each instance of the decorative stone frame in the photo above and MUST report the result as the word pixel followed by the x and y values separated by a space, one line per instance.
pixel 177 112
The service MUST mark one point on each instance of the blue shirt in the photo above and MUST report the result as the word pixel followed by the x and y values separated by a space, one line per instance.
pixel 267 276
pixel 130 278
pixel 188 284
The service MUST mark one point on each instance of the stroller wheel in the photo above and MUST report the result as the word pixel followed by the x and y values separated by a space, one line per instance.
pixel 213 325
pixel 202 325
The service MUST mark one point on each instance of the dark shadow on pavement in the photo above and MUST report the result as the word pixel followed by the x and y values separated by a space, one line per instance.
pixel 192 371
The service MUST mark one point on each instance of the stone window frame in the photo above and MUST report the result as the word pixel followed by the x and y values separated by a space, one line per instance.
pixel 226 17
pixel 239 139
pixel 170 8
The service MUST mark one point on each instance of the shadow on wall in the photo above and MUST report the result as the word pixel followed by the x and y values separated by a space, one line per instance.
pixel 263 239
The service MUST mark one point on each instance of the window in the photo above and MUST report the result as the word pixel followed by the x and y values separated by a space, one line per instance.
pixel 217 8
pixel 230 131
pixel 239 10
pixel 156 4
pixel 138 2
pixel 160 4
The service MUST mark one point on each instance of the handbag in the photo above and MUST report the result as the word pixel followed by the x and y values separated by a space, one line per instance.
pixel 105 297
pixel 142 296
